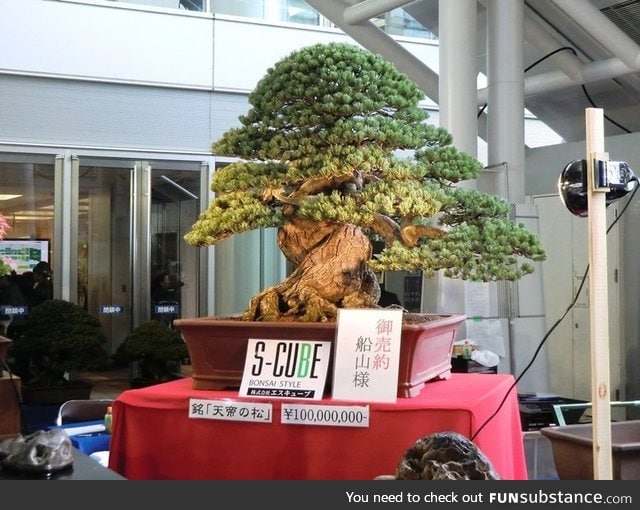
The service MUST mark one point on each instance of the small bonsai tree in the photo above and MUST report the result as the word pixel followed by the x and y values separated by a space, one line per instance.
pixel 334 152
pixel 58 337
pixel 156 348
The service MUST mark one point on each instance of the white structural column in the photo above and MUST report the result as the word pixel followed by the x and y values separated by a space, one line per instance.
pixel 505 108
pixel 457 23
pixel 64 171
pixel 520 305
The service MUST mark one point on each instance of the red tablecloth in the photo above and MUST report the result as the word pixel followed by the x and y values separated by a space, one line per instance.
pixel 153 437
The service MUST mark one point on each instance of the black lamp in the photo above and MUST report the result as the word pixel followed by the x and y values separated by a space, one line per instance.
pixel 616 176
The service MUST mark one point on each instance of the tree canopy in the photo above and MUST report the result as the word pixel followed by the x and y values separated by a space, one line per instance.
pixel 335 135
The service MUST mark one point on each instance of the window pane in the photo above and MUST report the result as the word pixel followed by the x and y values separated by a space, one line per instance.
pixel 26 202
pixel 174 263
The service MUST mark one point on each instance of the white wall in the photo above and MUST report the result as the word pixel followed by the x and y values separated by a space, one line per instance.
pixel 242 57
pixel 175 48
pixel 106 43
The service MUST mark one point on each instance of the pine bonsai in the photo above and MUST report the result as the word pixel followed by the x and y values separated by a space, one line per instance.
pixel 334 152
pixel 156 347
pixel 58 337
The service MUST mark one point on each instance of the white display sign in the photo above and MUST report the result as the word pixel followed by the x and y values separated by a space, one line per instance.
pixel 367 355
pixel 476 299
pixel 287 369
pixel 487 333
pixel 327 415
pixel 230 410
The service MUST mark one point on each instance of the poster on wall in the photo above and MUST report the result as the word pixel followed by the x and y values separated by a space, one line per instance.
pixel 23 254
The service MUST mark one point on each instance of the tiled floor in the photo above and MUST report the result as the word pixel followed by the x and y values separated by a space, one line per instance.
pixel 107 384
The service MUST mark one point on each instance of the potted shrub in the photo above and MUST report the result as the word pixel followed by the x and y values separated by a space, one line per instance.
pixel 154 351
pixel 335 152
pixel 58 339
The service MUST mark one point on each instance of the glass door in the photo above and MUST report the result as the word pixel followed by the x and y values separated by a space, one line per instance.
pixel 174 276
pixel 104 279
pixel 27 204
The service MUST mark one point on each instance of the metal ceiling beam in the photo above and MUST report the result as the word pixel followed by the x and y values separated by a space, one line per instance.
pixel 585 14
pixel 557 80
pixel 370 9
pixel 572 70
pixel 541 39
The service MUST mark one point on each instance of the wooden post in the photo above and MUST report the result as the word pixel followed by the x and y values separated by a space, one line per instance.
pixel 598 301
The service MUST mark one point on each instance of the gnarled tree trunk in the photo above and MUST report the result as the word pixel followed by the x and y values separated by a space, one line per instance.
pixel 331 272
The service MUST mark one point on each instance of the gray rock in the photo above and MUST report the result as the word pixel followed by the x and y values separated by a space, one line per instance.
pixel 40 452
pixel 445 456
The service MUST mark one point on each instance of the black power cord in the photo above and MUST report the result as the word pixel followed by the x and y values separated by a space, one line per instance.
pixel 553 327
pixel 542 59
pixel 584 89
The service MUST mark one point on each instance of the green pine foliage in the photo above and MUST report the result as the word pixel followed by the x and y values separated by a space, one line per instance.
pixel 58 337
pixel 155 346
pixel 335 134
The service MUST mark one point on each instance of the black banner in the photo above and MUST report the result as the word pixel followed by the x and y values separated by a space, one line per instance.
pixel 297 495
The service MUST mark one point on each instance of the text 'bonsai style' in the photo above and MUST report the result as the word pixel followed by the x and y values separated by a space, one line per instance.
pixel 335 151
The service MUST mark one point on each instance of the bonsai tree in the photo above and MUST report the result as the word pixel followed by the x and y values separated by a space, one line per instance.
pixel 335 152
pixel 156 348
pixel 58 337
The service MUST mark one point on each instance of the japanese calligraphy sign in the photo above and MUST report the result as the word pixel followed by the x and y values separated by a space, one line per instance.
pixel 285 369
pixel 367 355
pixel 230 410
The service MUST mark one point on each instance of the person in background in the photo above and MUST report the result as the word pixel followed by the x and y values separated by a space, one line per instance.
pixel 165 291
pixel 42 284
pixel 24 282
pixel 388 298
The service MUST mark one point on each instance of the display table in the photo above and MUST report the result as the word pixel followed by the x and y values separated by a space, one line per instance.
pixel 154 438
pixel 83 468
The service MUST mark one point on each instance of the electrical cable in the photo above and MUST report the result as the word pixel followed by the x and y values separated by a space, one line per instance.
pixel 563 48
pixel 551 54
pixel 584 88
pixel 554 326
